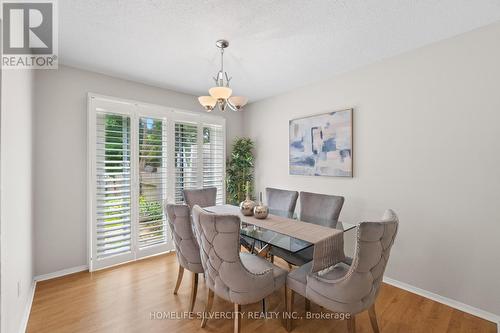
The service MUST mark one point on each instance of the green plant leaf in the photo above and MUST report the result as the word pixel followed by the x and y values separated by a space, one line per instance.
pixel 240 170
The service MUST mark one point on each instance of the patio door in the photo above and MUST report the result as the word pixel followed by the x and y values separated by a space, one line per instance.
pixel 152 163
pixel 141 156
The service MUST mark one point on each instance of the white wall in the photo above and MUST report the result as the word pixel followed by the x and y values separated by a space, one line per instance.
pixel 60 157
pixel 16 196
pixel 427 144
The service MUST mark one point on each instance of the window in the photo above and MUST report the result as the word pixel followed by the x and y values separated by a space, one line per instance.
pixel 141 156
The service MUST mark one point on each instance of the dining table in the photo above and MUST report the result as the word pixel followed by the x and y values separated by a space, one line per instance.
pixel 289 233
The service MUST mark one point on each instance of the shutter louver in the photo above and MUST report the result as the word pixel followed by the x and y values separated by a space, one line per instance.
pixel 152 181
pixel 186 159
pixel 113 210
pixel 213 159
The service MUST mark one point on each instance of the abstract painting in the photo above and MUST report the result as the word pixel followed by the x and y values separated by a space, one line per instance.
pixel 321 145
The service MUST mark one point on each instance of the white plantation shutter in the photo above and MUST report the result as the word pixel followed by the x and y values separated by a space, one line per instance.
pixel 186 159
pixel 113 188
pixel 152 181
pixel 213 159
pixel 142 156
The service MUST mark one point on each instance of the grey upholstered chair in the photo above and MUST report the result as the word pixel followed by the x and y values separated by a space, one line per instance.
pixel 186 247
pixel 320 209
pixel 353 288
pixel 240 278
pixel 204 197
pixel 315 208
pixel 281 202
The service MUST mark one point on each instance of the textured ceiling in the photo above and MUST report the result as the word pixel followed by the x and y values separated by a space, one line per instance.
pixel 275 45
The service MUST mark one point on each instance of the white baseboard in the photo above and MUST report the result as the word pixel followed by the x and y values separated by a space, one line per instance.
pixel 447 301
pixel 60 273
pixel 27 310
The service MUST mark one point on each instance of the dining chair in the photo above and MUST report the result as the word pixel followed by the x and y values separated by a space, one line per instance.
pixel 238 277
pixel 281 202
pixel 186 247
pixel 321 209
pixel 204 197
pixel 349 289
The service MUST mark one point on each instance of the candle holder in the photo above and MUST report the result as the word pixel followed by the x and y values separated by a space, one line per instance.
pixel 247 205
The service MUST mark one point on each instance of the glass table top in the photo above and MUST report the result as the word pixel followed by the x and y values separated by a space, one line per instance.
pixel 283 241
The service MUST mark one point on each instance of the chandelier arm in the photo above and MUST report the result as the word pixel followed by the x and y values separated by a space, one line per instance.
pixel 222 105
pixel 231 106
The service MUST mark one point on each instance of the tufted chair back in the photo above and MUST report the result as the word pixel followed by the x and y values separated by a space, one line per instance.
pixel 204 197
pixel 320 209
pixel 281 202
pixel 225 274
pixel 357 289
pixel 186 246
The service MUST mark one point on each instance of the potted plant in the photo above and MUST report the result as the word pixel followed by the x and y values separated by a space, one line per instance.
pixel 239 171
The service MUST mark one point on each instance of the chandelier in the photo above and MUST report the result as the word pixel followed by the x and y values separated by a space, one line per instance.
pixel 221 93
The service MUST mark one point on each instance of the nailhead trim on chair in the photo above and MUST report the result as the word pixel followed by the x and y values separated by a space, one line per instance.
pixel 191 259
pixel 375 271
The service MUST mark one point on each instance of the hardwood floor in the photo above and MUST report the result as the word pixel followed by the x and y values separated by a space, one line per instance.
pixel 127 298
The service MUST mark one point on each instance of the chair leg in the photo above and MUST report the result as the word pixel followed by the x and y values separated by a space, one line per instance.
pixel 208 307
pixel 194 290
pixel 373 318
pixel 237 318
pixel 263 305
pixel 179 279
pixel 252 247
pixel 289 308
pixel 351 324
pixel 307 305
pixel 272 258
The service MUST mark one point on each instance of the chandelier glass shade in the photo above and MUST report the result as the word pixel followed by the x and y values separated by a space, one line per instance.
pixel 221 94
pixel 208 102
